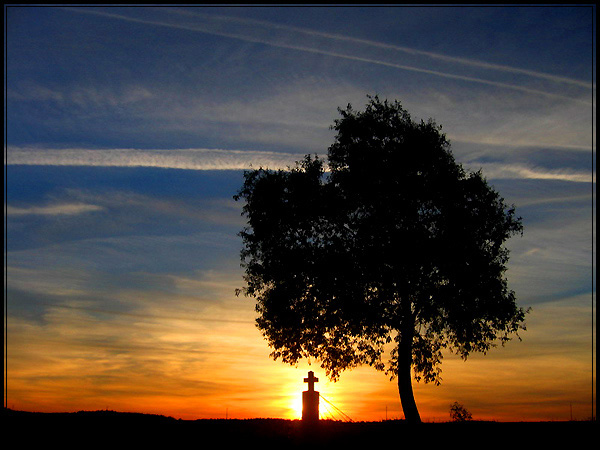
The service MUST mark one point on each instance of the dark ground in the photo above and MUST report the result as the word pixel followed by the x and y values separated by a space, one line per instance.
pixel 121 430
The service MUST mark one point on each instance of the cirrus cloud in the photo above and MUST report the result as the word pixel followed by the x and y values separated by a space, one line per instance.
pixel 53 210
pixel 191 159
pixel 220 159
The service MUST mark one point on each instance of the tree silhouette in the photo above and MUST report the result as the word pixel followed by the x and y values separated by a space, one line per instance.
pixel 458 413
pixel 394 247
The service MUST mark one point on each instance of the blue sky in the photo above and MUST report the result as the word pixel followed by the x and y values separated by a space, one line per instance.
pixel 127 130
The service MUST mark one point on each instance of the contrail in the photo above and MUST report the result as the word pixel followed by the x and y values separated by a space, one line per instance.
pixel 216 159
pixel 204 29
pixel 186 159
pixel 339 37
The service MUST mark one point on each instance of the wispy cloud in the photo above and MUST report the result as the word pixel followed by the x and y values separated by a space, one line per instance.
pixel 68 209
pixel 522 171
pixel 262 32
pixel 219 159
pixel 82 96
pixel 191 159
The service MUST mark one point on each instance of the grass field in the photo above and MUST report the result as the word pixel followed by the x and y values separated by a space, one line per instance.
pixel 132 430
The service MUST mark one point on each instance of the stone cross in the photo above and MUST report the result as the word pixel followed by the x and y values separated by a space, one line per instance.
pixel 311 380
pixel 310 400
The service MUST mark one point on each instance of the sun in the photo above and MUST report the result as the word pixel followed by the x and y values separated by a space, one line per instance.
pixel 296 406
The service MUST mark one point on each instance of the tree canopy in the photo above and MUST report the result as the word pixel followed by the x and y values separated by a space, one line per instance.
pixel 390 245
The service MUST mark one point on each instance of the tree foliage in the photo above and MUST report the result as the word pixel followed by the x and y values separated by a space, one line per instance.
pixel 392 244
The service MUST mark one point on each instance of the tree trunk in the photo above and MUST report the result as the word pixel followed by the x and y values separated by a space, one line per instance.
pixel 407 398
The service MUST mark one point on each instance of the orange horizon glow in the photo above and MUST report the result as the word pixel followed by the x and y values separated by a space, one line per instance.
pixel 433 405
pixel 177 365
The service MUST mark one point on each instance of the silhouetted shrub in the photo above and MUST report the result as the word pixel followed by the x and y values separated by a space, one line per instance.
pixel 458 413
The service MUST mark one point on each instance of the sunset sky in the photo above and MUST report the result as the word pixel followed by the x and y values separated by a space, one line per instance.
pixel 127 130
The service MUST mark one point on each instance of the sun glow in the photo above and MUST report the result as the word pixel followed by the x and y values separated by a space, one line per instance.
pixel 297 405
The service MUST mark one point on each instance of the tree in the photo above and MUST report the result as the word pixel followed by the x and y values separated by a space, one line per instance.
pixel 395 246
pixel 458 413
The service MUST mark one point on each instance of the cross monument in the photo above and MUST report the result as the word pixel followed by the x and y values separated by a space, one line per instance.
pixel 310 399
